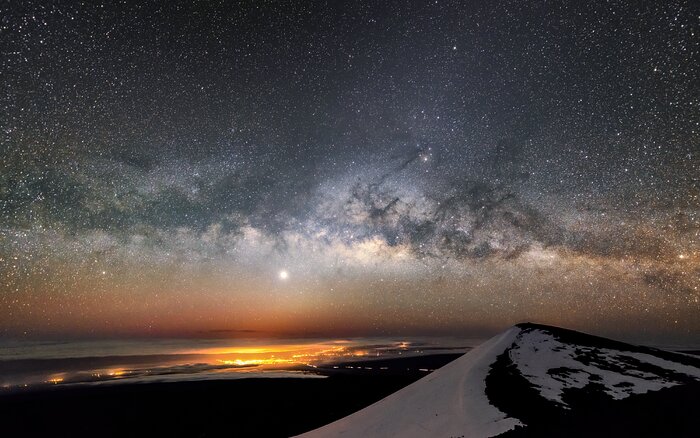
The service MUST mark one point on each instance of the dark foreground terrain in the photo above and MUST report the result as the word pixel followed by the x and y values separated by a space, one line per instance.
pixel 255 407
pixel 234 408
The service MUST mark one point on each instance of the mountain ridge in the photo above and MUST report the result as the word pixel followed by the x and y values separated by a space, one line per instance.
pixel 540 380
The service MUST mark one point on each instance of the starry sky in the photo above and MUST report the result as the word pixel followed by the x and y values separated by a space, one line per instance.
pixel 349 168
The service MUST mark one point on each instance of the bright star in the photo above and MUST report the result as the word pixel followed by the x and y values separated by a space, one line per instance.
pixel 284 275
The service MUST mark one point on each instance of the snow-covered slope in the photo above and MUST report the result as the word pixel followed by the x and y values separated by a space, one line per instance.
pixel 521 382
pixel 450 402
pixel 552 366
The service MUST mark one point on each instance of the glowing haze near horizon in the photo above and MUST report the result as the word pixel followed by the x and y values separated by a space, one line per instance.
pixel 317 169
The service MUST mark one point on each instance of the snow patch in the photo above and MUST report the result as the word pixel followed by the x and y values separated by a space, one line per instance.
pixel 552 367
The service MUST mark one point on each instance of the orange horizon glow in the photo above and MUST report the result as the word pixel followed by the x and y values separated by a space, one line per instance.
pixel 281 354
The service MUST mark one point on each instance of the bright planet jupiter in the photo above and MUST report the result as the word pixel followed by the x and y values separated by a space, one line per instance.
pixel 349 168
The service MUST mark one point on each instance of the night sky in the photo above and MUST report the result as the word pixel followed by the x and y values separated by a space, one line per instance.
pixel 349 168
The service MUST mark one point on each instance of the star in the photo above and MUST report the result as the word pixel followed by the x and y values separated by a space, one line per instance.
pixel 185 172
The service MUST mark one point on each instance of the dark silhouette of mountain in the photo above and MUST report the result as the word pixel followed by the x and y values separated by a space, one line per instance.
pixel 539 381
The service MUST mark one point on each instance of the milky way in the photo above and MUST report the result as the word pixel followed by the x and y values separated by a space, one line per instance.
pixel 316 168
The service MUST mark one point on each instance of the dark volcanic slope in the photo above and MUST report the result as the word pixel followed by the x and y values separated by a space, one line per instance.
pixel 560 382
pixel 227 408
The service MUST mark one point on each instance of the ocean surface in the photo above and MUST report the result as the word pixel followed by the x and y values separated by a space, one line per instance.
pixel 31 365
